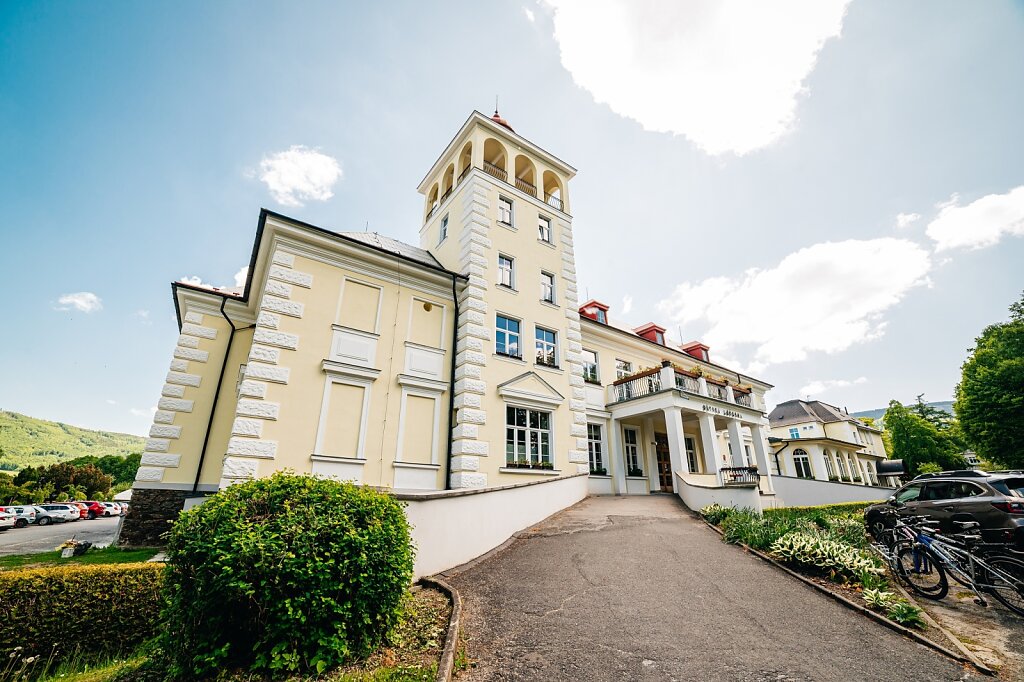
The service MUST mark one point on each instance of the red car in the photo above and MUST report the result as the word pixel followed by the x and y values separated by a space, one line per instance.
pixel 83 509
pixel 94 510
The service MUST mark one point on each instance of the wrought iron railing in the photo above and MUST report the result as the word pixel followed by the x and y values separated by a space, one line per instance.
pixel 463 174
pixel 553 201
pixel 740 476
pixel 495 171
pixel 638 387
pixel 524 186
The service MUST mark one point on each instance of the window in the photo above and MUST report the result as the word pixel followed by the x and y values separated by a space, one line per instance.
pixel 746 451
pixel 590 374
pixel 506 271
pixel 544 229
pixel 444 229
pixel 547 287
pixel 691 454
pixel 828 465
pixel 594 447
pixel 506 337
pixel 909 494
pixel 802 464
pixel 527 436
pixel 659 337
pixel 794 432
pixel 505 211
pixel 623 368
pixel 601 317
pixel 632 446
pixel 547 347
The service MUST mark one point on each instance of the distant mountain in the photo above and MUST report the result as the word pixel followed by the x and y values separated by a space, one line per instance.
pixel 944 405
pixel 27 441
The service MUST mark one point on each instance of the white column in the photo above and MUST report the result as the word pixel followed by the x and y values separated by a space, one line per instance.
pixel 709 443
pixel 760 438
pixel 617 461
pixel 651 454
pixel 676 446
pixel 736 442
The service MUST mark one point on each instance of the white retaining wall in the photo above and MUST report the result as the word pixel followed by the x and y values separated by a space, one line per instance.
pixel 809 492
pixel 452 527
pixel 697 496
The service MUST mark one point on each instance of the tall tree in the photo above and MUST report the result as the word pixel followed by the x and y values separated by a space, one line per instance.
pixel 917 441
pixel 990 397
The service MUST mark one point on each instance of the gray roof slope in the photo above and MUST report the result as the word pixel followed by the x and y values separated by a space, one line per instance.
pixel 394 246
pixel 813 410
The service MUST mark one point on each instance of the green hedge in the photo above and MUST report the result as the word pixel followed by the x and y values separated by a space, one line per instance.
pixel 63 611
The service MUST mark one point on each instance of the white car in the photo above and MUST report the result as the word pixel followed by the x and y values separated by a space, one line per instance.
pixel 24 514
pixel 61 512
pixel 7 519
pixel 113 509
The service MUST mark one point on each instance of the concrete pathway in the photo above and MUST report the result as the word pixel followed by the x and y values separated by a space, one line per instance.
pixel 634 588
pixel 32 539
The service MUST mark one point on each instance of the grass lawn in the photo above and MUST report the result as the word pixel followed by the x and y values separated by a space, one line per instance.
pixel 105 555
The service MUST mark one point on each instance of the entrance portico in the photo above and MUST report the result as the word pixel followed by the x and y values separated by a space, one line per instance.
pixel 666 421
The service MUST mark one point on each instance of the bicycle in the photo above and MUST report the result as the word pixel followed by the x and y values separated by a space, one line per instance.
pixel 926 563
pixel 896 543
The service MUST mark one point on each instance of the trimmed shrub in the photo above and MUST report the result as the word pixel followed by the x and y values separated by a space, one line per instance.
pixel 715 513
pixel 60 612
pixel 836 559
pixel 284 574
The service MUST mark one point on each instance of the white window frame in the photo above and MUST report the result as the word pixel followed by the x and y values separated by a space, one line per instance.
pixel 594 376
pixel 794 432
pixel 518 336
pixel 544 346
pixel 802 461
pixel 828 465
pixel 502 210
pixel 623 368
pixel 527 431
pixel 547 287
pixel 602 317
pixel 503 271
pixel 595 446
pixel 690 445
pixel 631 451
pixel 443 232
pixel 544 226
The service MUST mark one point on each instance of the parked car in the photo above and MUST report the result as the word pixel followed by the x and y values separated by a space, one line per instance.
pixel 44 517
pixel 24 514
pixel 83 509
pixel 62 511
pixel 111 509
pixel 993 499
pixel 95 509
pixel 7 519
pixel 124 508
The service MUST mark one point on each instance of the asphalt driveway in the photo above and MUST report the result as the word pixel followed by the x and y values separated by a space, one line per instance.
pixel 634 588
pixel 33 539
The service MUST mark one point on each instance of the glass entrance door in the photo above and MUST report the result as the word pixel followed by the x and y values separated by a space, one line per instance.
pixel 664 462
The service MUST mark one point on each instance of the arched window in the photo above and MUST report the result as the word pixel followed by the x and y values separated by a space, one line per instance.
pixel 431 201
pixel 553 190
pixel 449 181
pixel 495 159
pixel 802 464
pixel 465 160
pixel 828 466
pixel 526 175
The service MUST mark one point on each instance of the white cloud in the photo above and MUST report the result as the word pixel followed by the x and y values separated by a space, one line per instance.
pixel 299 174
pixel 727 74
pixel 111 402
pixel 240 276
pixel 82 301
pixel 142 413
pixel 905 219
pixel 196 281
pixel 627 304
pixel 978 224
pixel 529 14
pixel 143 315
pixel 819 386
pixel 823 298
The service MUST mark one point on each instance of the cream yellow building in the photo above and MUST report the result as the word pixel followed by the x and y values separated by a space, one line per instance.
pixel 464 363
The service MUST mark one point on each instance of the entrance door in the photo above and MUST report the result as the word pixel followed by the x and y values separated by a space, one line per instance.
pixel 664 462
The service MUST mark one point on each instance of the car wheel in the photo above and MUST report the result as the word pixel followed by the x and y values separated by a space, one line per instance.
pixel 20 523
pixel 45 521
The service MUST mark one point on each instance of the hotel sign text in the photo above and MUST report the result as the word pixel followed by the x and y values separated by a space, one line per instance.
pixel 718 410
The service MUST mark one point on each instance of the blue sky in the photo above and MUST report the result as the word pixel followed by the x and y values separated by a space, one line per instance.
pixel 742 173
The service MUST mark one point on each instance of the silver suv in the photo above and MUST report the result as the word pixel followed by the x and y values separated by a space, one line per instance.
pixel 994 499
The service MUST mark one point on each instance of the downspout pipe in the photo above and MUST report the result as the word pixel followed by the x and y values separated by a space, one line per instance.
pixel 775 455
pixel 216 395
pixel 451 389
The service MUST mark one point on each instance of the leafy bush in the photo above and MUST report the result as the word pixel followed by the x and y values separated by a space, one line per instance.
pixel 904 613
pixel 878 599
pixel 750 528
pixel 281 574
pixel 872 581
pixel 714 513
pixel 838 560
pixel 66 611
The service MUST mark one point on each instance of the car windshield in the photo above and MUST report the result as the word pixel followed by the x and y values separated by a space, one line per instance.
pixel 1010 486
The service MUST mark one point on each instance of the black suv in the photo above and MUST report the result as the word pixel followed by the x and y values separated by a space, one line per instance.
pixel 995 499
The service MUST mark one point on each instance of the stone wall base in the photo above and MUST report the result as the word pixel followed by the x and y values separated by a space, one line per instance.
pixel 149 516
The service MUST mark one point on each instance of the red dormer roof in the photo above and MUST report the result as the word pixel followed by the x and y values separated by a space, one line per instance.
pixel 590 310
pixel 696 349
pixel 651 332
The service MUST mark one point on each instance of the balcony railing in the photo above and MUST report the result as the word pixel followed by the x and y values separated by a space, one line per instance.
pixel 742 398
pixel 524 186
pixel 553 201
pixel 638 386
pixel 740 476
pixel 447 194
pixel 687 383
pixel 495 171
pixel 718 392
pixel 463 174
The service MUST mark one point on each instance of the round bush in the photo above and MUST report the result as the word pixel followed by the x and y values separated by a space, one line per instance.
pixel 287 573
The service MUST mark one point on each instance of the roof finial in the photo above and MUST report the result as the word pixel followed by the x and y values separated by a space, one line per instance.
pixel 495 105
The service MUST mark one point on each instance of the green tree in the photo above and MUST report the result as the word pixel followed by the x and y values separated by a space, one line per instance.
pixel 990 397
pixel 917 441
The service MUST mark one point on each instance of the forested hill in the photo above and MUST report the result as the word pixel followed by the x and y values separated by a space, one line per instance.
pixel 27 441
pixel 944 405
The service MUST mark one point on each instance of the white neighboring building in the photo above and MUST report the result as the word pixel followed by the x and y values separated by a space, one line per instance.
pixel 815 440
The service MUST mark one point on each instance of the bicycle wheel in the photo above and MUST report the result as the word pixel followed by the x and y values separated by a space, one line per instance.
pixel 921 570
pixel 1009 589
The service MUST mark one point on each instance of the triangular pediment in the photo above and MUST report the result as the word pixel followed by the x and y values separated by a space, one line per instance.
pixel 530 387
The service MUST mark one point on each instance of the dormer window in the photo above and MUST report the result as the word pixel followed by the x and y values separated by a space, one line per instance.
pixel 659 337
pixel 602 317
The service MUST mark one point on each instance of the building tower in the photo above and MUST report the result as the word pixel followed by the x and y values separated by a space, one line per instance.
pixel 497 210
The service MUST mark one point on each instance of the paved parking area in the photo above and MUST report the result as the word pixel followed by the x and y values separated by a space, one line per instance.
pixel 634 588
pixel 44 538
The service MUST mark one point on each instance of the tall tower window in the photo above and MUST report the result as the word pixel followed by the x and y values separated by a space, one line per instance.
pixel 547 347
pixel 506 337
pixel 505 211
pixel 590 373
pixel 544 229
pixel 444 229
pixel 506 271
pixel 547 287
